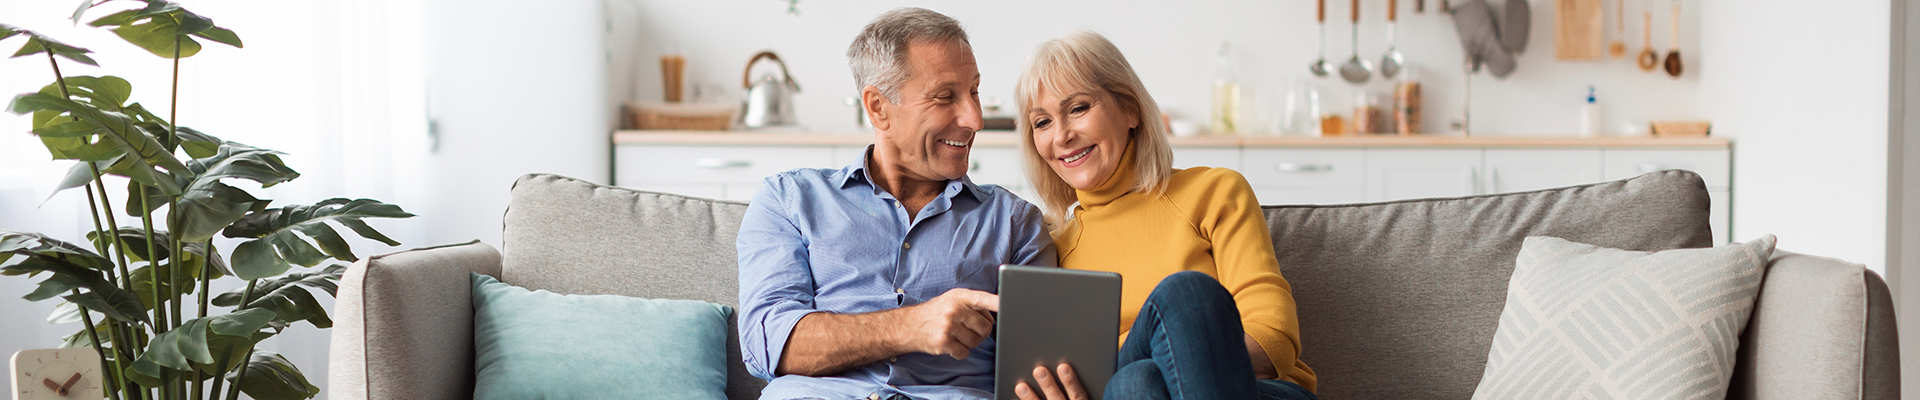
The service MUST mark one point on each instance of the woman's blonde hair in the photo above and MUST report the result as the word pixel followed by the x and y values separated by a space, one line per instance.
pixel 1083 60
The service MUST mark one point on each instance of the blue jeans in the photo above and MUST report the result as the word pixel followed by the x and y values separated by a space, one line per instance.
pixel 1187 343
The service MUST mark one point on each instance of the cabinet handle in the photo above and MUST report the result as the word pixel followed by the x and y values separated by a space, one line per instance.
pixel 1649 168
pixel 1493 181
pixel 1473 180
pixel 1294 168
pixel 720 163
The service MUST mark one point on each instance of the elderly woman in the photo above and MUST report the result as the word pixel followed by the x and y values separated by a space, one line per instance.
pixel 1210 316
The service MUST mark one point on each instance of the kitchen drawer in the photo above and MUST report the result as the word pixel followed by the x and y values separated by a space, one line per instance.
pixel 714 164
pixel 1228 158
pixel 1713 165
pixel 1309 196
pixel 1417 174
pixel 1509 171
pixel 1305 169
pixel 695 190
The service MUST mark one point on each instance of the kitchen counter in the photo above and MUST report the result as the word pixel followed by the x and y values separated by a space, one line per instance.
pixel 1006 138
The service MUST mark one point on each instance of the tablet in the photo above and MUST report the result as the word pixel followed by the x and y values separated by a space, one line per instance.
pixel 1052 315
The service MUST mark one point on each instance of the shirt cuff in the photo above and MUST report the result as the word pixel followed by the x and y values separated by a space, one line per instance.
pixel 777 328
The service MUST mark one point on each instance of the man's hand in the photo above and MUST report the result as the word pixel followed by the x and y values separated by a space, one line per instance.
pixel 1068 387
pixel 951 324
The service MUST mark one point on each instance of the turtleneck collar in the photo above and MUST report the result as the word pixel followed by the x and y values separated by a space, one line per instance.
pixel 1117 185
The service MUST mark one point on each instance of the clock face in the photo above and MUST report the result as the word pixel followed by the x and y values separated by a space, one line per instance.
pixel 57 374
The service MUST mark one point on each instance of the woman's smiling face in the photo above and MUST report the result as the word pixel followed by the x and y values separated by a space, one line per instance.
pixel 1081 135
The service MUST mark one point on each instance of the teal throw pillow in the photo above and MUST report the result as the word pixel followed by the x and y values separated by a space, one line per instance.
pixel 543 345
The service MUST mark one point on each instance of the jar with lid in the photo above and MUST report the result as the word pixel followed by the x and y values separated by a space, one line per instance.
pixel 1367 116
pixel 1407 104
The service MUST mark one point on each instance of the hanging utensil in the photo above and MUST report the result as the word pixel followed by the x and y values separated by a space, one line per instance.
pixel 1390 64
pixel 1673 44
pixel 1648 58
pixel 1356 70
pixel 1420 6
pixel 1619 47
pixel 1321 67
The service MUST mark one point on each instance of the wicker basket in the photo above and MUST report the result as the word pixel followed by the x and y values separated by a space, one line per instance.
pixel 1681 128
pixel 680 116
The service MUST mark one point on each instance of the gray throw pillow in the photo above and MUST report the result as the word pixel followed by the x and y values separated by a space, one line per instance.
pixel 1584 321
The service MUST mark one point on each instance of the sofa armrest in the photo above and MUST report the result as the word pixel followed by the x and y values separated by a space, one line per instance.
pixel 403 324
pixel 1821 329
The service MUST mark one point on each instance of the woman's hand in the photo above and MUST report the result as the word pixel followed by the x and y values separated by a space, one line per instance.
pixel 1053 388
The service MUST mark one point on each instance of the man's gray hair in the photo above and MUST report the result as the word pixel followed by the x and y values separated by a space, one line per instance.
pixel 878 56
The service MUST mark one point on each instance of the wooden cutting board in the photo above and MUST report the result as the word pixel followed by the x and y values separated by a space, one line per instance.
pixel 1578 30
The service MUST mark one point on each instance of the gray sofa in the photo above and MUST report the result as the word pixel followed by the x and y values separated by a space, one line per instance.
pixel 1397 300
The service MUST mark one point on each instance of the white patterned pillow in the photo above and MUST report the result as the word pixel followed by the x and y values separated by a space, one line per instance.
pixel 1589 322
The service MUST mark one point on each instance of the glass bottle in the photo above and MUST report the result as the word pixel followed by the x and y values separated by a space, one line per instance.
pixel 1225 119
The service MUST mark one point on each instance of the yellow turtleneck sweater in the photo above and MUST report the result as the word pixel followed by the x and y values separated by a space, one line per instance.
pixel 1205 220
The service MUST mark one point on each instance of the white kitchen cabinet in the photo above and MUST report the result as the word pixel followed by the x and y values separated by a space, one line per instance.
pixel 1713 165
pixel 1217 157
pixel 1281 170
pixel 1395 174
pixel 1306 176
pixel 1520 170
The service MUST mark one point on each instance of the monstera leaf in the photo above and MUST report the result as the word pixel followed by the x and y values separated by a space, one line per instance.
pixel 38 43
pixel 187 348
pixel 162 25
pixel 270 376
pixel 142 150
pixel 289 301
pixel 276 246
pixel 71 268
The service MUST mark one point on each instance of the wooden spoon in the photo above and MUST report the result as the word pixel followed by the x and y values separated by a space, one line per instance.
pixel 1648 58
pixel 1619 47
pixel 1673 44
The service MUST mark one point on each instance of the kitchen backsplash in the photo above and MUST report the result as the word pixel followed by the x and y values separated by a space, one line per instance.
pixel 1173 45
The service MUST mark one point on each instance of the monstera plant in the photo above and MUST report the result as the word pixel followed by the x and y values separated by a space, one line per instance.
pixel 140 289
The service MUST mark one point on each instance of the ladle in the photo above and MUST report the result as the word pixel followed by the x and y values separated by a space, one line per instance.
pixel 1673 44
pixel 1390 64
pixel 1321 67
pixel 1357 69
pixel 1648 58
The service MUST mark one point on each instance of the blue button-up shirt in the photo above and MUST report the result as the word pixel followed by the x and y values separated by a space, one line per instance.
pixel 829 240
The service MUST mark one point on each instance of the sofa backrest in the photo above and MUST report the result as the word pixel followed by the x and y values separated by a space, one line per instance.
pixel 571 236
pixel 1399 300
pixel 1396 300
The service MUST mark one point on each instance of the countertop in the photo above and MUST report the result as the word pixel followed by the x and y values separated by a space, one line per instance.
pixel 1008 138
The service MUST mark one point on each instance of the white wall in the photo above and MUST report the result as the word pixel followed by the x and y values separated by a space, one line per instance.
pixel 514 88
pixel 1171 44
pixel 1809 128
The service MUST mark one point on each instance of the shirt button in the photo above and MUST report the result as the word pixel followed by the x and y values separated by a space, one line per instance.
pixel 893 359
pixel 907 246
pixel 875 396
pixel 900 291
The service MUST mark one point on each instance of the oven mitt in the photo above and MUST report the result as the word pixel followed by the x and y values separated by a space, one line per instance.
pixel 1516 23
pixel 1481 38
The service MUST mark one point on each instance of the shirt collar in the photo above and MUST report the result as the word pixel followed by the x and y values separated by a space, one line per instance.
pixel 857 172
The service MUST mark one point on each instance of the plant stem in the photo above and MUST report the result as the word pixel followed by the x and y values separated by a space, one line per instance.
pixel 86 317
pixel 159 296
pixel 93 210
pixel 100 245
pixel 246 299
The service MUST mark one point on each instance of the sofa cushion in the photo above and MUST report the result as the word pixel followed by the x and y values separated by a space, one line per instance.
pixel 574 237
pixel 1589 321
pixel 1400 299
pixel 539 344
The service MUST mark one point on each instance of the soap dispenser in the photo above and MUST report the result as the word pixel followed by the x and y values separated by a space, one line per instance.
pixel 1590 115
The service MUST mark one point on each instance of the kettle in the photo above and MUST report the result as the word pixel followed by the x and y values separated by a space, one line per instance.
pixel 769 101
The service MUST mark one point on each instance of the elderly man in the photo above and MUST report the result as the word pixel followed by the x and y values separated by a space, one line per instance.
pixel 876 280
